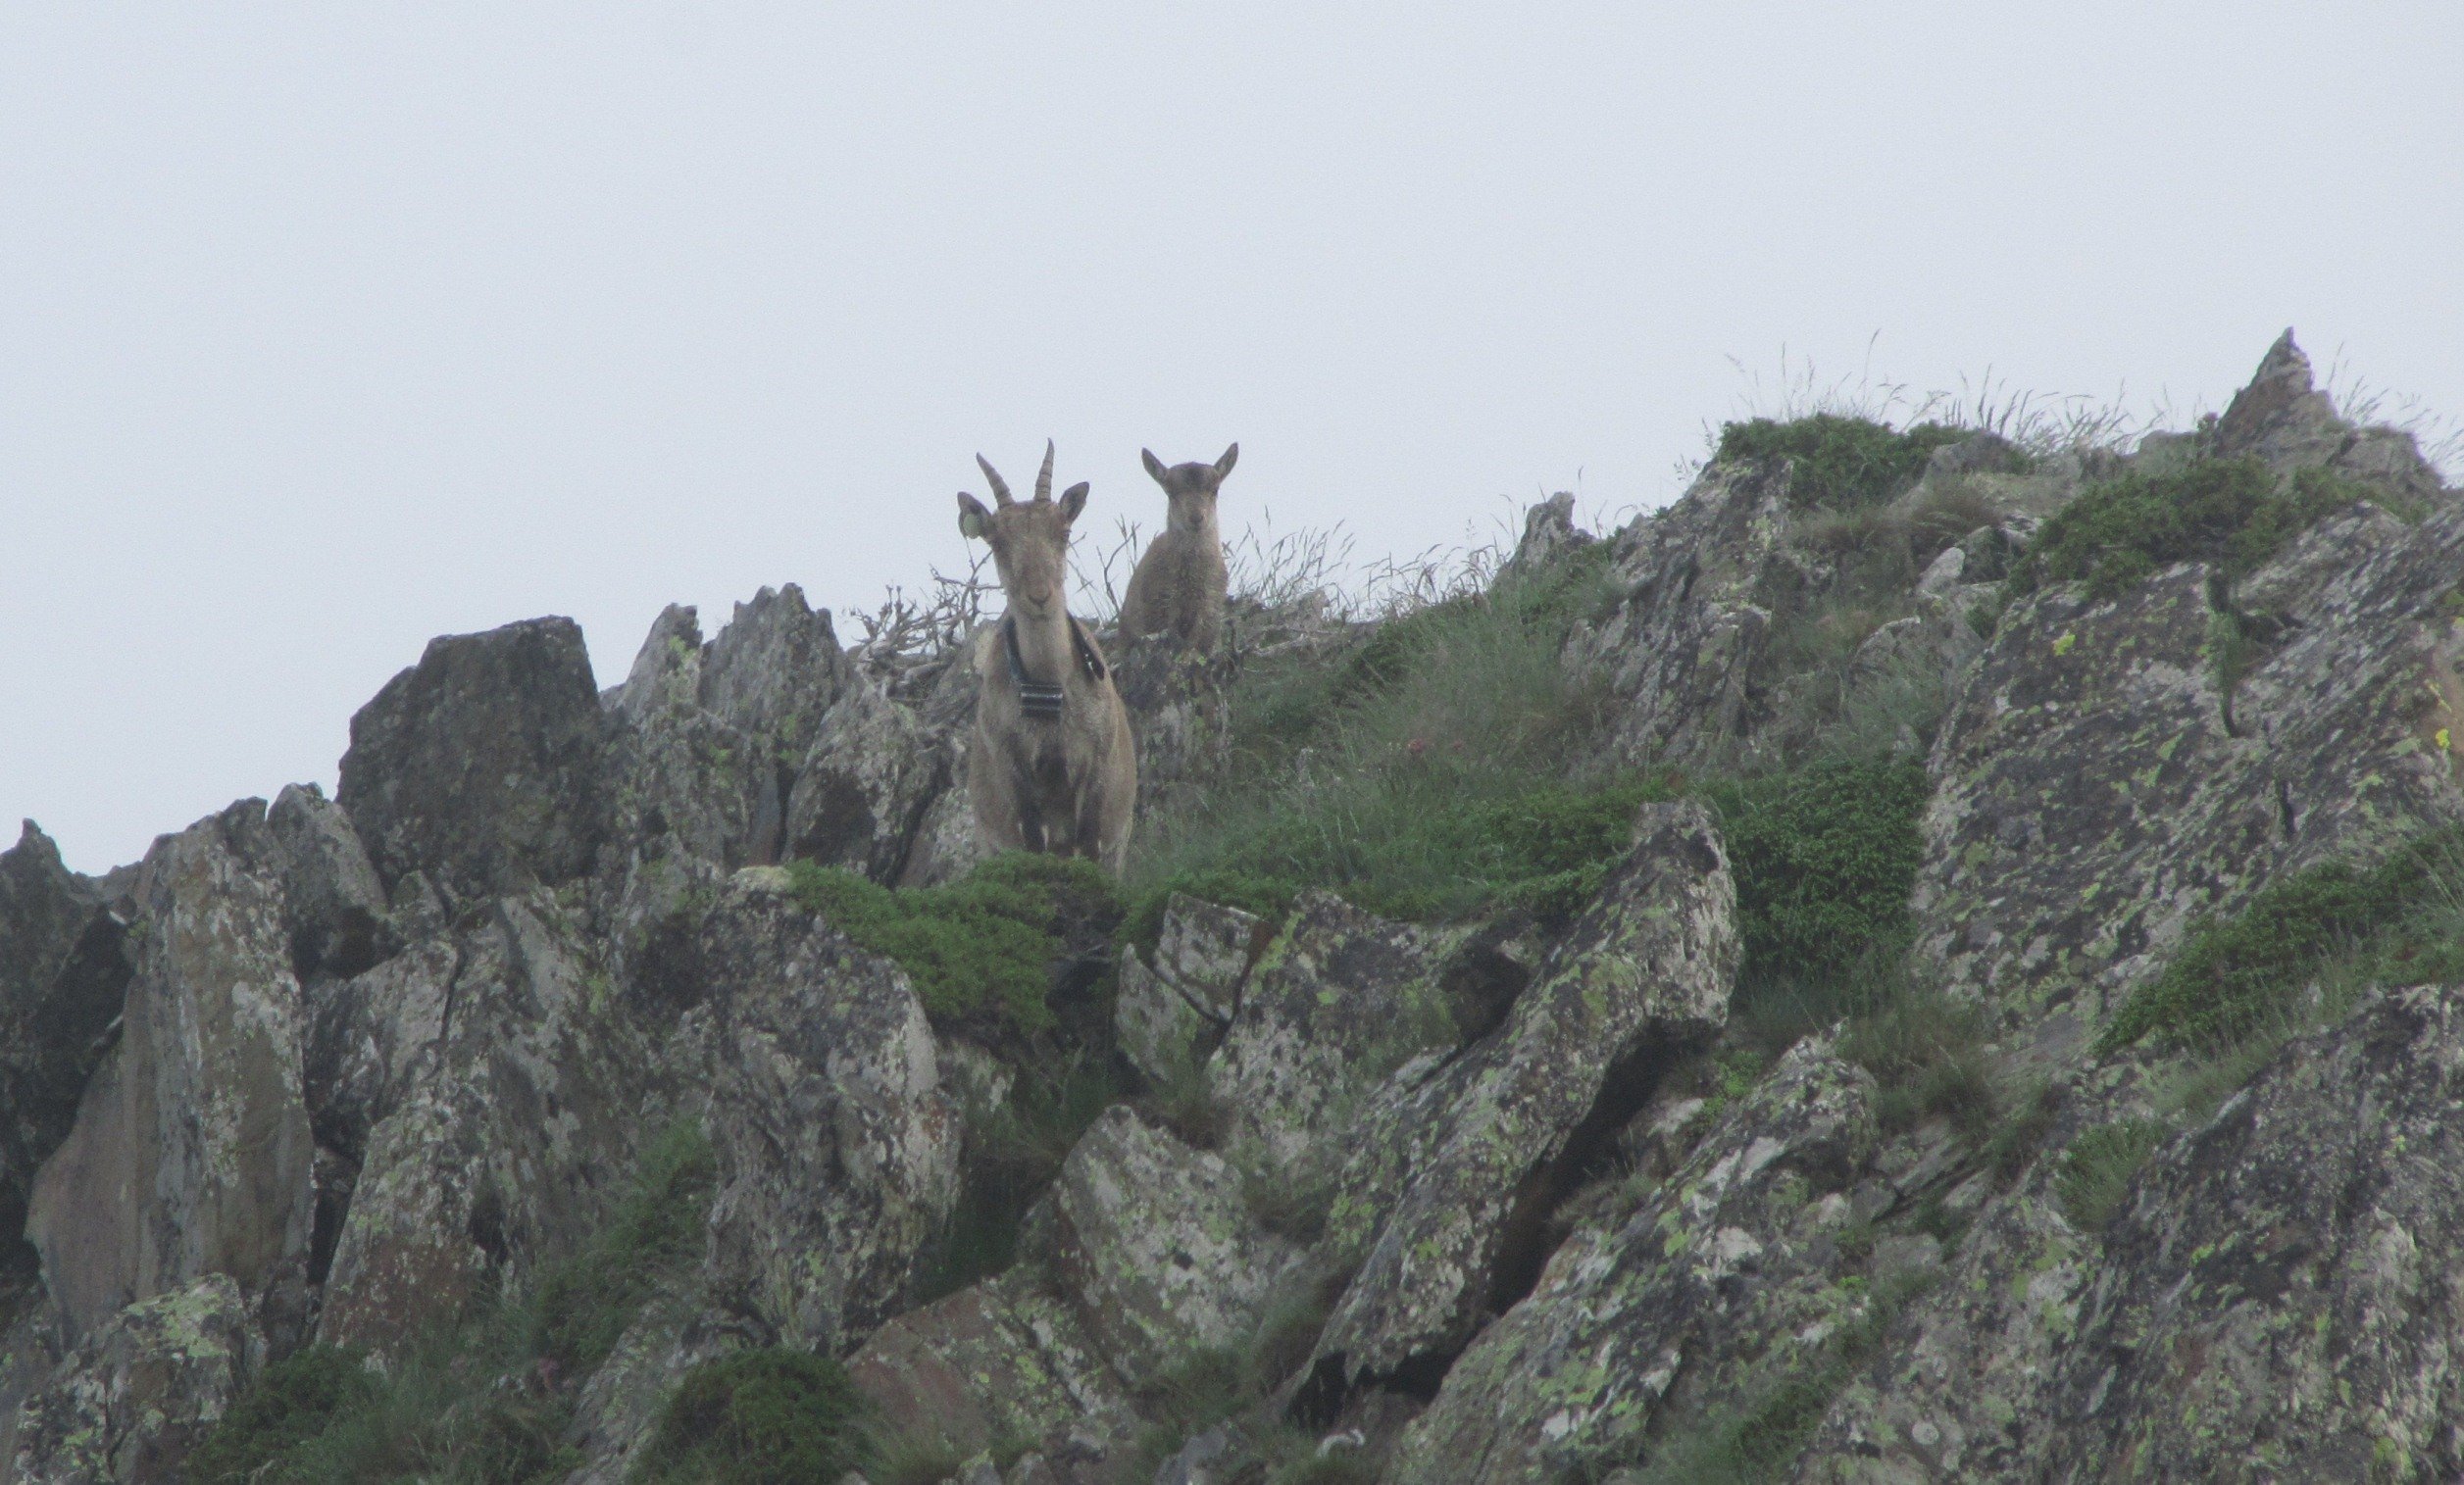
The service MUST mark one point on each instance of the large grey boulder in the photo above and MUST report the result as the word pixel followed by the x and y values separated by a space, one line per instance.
pixel 1674 1305
pixel 2098 787
pixel 503 1094
pixel 837 1150
pixel 139 1393
pixel 1450 1190
pixel 482 766
pixel 1155 1245
pixel 873 770
pixel 773 672
pixel 1001 1360
pixel 64 973
pixel 190 1153
pixel 2276 1300
pixel 1339 999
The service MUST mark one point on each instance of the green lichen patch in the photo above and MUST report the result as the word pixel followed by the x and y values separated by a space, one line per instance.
pixel 2391 921
pixel 980 951
pixel 1839 463
pixel 2233 513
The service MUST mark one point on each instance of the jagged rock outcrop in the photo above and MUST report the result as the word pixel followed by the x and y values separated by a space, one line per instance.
pixel 2283 418
pixel 875 767
pixel 64 973
pixel 1727 1274
pixel 139 1390
pixel 332 903
pixel 484 766
pixel 1447 1194
pixel 191 1150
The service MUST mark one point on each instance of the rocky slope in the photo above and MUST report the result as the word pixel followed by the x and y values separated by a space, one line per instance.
pixel 539 1080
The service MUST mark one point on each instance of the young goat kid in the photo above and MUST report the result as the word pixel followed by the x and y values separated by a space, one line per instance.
pixel 1051 767
pixel 1178 590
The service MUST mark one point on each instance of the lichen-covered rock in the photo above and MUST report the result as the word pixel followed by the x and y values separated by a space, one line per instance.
pixel 1175 1005
pixel 64 974
pixel 2283 418
pixel 504 1094
pixel 2097 788
pixel 1337 1000
pixel 190 1153
pixel 837 1150
pixel 1154 1244
pixel 873 770
pixel 1723 1274
pixel 1702 582
pixel 482 766
pixel 2277 1300
pixel 1003 1360
pixel 1549 532
pixel 1643 973
pixel 331 900
pixel 139 1393
pixel 774 672
pixel 680 771
pixel 618 1408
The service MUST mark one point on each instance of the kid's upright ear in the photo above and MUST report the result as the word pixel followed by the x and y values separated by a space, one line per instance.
pixel 1154 465
pixel 1072 501
pixel 1222 466
pixel 972 519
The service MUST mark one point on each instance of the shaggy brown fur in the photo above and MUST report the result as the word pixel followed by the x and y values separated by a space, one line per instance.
pixel 1064 783
pixel 1178 590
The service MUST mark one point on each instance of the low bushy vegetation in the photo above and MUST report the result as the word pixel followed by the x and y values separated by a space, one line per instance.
pixel 2233 513
pixel 484 1398
pixel 980 951
pixel 1824 857
pixel 1839 463
pixel 2395 921
pixel 773 1416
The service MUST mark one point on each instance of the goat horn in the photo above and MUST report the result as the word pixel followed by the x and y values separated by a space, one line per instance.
pixel 1000 486
pixel 1043 482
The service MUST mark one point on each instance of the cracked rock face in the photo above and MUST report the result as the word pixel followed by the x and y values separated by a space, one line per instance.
pixel 1465 1181
pixel 1175 1005
pixel 64 973
pixel 1724 1272
pixel 875 767
pixel 190 1152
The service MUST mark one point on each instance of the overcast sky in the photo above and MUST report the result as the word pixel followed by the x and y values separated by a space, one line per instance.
pixel 327 328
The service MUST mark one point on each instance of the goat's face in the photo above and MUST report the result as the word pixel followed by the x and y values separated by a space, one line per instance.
pixel 1191 487
pixel 1030 539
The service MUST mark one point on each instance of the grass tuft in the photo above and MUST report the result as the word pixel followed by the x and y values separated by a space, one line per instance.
pixel 774 1417
pixel 1839 463
pixel 2097 1170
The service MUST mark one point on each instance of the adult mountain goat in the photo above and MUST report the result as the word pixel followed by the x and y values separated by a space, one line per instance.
pixel 1178 590
pixel 1051 767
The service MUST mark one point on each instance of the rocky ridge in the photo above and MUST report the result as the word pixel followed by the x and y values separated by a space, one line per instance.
pixel 1553 1190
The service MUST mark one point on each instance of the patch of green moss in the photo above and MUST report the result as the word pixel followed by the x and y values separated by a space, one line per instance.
pixel 980 951
pixel 2234 512
pixel 1824 859
pixel 775 1416
pixel 2395 919
pixel 291 1401
pixel 1839 463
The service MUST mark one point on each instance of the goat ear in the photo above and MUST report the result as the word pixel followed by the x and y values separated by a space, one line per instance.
pixel 1072 501
pixel 1222 466
pixel 972 519
pixel 1154 465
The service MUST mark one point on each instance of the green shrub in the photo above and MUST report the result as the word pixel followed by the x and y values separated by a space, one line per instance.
pixel 980 951
pixel 1824 859
pixel 2097 1167
pixel 2234 512
pixel 2235 974
pixel 1839 463
pixel 291 1401
pixel 775 1416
